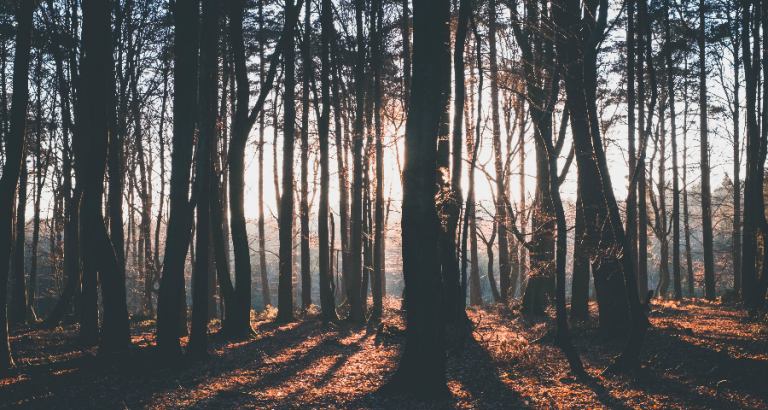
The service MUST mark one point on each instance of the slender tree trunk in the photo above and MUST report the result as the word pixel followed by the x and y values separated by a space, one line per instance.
pixel 501 214
pixel 736 238
pixel 406 33
pixel 306 274
pixel 343 180
pixel 39 181
pixel 459 110
pixel 265 291
pixel 378 232
pixel 631 125
pixel 642 209
pixel 285 285
pixel 327 304
pixel 675 178
pixel 353 282
pixel 706 192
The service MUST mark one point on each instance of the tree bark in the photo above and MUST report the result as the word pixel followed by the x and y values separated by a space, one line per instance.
pixel 14 156
pixel 171 301
pixel 306 274
pixel 422 367
pixel 706 192
pixel 285 285
pixel 91 148
pixel 378 228
pixel 353 281
pixel 675 178
pixel 501 214
pixel 19 300
pixel 327 303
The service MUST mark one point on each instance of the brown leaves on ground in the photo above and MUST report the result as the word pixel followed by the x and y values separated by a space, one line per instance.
pixel 696 356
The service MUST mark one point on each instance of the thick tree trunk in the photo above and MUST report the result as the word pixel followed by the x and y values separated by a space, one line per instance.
pixel 422 367
pixel 91 148
pixel 580 291
pixel 171 301
pixel 206 114
pixel 14 154
pixel 19 291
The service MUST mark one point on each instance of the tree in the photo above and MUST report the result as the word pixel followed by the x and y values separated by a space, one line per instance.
pixel 353 280
pixel 501 214
pixel 91 147
pixel 422 367
pixel 14 154
pixel 378 233
pixel 706 192
pixel 284 291
pixel 262 241
pixel 172 294
pixel 675 179
pixel 306 56
pixel 327 304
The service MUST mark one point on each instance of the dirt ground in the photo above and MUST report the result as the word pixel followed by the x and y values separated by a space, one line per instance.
pixel 697 356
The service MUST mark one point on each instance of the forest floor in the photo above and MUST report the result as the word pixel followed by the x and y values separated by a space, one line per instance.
pixel 696 356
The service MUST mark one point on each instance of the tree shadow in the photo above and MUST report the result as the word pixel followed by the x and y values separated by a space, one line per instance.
pixel 134 377
pixel 684 372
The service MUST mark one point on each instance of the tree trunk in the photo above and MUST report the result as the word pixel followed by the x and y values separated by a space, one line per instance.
pixel 306 274
pixel 327 303
pixel 706 192
pixel 171 301
pixel 675 179
pixel 91 147
pixel 353 281
pixel 501 214
pixel 14 156
pixel 285 285
pixel 378 232
pixel 206 114
pixel 406 33
pixel 736 113
pixel 19 300
pixel 40 172
pixel 265 291
pixel 642 209
pixel 580 291
pixel 631 125
pixel 343 180
pixel 422 367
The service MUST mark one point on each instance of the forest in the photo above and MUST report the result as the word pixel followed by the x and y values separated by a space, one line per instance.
pixel 383 204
